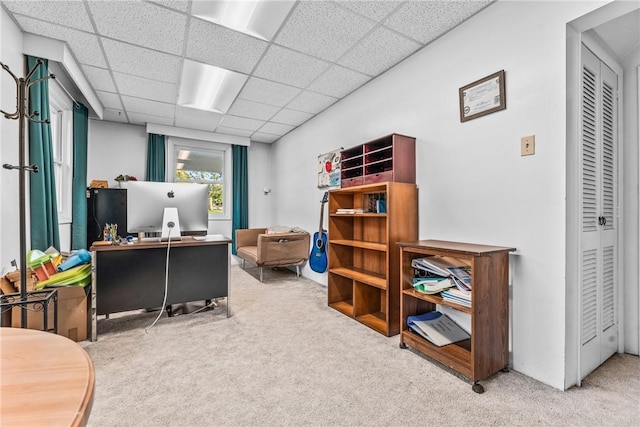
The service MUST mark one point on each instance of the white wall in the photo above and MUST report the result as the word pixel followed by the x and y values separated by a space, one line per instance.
pixel 115 149
pixel 11 42
pixel 260 206
pixel 474 185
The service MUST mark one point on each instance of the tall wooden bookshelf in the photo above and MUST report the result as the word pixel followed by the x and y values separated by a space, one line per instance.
pixel 486 352
pixel 364 261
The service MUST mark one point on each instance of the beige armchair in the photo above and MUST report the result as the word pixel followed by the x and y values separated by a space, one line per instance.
pixel 273 249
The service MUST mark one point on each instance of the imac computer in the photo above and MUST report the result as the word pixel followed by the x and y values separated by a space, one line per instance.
pixel 167 207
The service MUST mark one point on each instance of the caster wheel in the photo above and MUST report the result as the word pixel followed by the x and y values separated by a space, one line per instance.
pixel 505 369
pixel 477 388
pixel 402 345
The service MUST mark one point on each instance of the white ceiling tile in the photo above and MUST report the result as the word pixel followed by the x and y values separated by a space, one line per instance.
pixel 241 123
pixel 99 78
pixel 275 128
pixel 181 5
pixel 132 53
pixel 322 29
pixel 311 102
pixel 69 13
pixel 254 110
pixel 145 88
pixel 84 46
pixel 142 62
pixel 427 20
pixel 146 106
pixel 291 117
pixel 109 100
pixel 231 131
pixel 197 119
pixel 287 66
pixel 264 137
pixel 114 116
pixel 379 51
pixel 140 23
pixel 338 81
pixel 268 92
pixel 142 119
pixel 210 43
pixel 375 10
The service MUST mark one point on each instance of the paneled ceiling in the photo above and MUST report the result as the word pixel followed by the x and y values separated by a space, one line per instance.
pixel 132 53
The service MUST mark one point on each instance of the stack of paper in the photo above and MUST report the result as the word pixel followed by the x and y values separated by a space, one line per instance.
pixel 457 270
pixel 432 285
pixel 437 328
pixel 457 296
pixel 349 211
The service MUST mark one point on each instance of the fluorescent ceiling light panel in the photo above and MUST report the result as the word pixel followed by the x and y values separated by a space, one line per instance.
pixel 210 88
pixel 260 18
pixel 183 154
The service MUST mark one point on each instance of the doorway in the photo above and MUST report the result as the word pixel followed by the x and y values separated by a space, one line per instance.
pixel 602 277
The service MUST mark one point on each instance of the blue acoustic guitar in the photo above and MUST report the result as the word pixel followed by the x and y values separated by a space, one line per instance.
pixel 318 256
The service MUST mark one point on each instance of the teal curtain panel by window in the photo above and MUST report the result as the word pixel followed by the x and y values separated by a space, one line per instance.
pixel 44 210
pixel 240 192
pixel 155 158
pixel 79 185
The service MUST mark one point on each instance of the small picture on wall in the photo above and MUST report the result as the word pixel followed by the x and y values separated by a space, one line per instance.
pixel 482 97
pixel 329 169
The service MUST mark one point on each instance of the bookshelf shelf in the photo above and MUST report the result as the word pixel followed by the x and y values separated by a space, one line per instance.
pixel 369 277
pixel 360 244
pixel 436 299
pixel 486 352
pixel 364 263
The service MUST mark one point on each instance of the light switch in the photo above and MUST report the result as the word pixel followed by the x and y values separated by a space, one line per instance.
pixel 528 145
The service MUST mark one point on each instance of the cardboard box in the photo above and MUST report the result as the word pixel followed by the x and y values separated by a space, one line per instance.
pixel 14 278
pixel 98 183
pixel 73 309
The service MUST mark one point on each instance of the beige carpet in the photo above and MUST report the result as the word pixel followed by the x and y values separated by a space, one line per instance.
pixel 285 358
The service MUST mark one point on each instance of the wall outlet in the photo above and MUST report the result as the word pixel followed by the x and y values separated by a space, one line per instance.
pixel 528 145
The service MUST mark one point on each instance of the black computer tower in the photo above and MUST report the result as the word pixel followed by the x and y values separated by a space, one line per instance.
pixel 105 206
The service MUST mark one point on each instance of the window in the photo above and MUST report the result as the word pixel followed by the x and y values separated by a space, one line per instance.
pixel 61 116
pixel 205 164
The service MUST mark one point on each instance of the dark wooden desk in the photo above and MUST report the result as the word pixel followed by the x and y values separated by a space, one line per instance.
pixel 47 379
pixel 132 276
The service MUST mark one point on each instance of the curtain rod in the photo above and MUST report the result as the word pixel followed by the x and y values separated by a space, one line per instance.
pixel 66 91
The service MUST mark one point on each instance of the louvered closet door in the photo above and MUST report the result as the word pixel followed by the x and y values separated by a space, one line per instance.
pixel 598 291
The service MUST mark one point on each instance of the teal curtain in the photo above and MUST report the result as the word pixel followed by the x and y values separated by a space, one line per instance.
pixel 240 192
pixel 155 158
pixel 42 185
pixel 79 186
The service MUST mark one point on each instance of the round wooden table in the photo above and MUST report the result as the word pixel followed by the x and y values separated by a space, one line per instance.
pixel 45 379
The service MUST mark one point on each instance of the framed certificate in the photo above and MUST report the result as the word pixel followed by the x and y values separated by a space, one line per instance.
pixel 482 97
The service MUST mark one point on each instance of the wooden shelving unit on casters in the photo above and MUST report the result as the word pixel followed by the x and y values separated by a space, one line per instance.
pixel 486 352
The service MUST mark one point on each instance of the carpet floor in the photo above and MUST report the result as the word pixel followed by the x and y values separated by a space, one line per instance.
pixel 284 358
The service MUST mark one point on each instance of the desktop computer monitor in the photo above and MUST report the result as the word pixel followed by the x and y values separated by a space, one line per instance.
pixel 146 203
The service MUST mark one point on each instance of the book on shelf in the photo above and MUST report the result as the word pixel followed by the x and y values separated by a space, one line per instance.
pixel 437 328
pixel 432 285
pixel 444 266
pixel 457 296
pixel 349 211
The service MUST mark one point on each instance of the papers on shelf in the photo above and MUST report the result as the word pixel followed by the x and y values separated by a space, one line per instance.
pixel 432 285
pixel 457 296
pixel 349 211
pixel 451 267
pixel 436 328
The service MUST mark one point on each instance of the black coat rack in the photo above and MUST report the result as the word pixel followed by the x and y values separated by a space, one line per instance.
pixel 39 299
